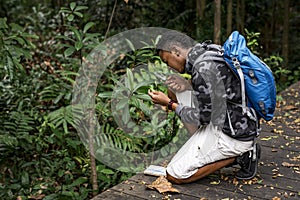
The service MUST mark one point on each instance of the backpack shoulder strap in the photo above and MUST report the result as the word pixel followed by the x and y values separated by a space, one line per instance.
pixel 237 66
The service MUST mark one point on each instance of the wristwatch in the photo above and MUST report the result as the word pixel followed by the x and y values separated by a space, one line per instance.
pixel 170 104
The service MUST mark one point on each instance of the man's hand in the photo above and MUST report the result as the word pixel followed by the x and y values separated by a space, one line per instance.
pixel 178 84
pixel 159 97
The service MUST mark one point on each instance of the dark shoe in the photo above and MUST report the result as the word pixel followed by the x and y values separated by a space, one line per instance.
pixel 232 164
pixel 249 163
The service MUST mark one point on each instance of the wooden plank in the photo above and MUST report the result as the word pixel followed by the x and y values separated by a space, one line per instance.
pixel 278 128
pixel 213 188
pixel 279 143
pixel 137 187
pixel 193 190
pixel 111 194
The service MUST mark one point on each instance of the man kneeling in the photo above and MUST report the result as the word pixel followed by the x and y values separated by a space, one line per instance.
pixel 222 133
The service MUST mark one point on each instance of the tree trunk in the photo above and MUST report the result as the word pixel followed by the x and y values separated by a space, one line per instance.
pixel 200 7
pixel 92 154
pixel 229 17
pixel 285 36
pixel 217 22
pixel 240 15
pixel 200 13
pixel 242 22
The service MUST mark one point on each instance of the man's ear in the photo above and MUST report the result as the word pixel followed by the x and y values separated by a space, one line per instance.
pixel 175 50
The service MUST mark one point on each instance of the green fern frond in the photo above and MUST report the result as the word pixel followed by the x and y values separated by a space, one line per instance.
pixel 65 116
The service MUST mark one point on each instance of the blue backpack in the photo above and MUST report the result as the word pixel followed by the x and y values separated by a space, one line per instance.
pixel 257 80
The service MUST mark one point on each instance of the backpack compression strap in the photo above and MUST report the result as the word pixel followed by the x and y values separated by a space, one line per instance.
pixel 237 65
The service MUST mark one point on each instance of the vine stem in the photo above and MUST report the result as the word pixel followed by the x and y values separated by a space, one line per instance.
pixel 110 20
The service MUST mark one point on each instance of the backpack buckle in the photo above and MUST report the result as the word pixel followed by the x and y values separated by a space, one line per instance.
pixel 236 63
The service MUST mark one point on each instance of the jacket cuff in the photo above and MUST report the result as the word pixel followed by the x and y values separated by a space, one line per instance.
pixel 178 109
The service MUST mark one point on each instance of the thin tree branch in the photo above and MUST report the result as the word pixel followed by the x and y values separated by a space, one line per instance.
pixel 110 20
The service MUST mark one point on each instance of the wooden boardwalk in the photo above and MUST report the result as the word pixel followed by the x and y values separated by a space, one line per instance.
pixel 278 172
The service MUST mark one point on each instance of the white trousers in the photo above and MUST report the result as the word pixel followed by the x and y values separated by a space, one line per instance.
pixel 207 145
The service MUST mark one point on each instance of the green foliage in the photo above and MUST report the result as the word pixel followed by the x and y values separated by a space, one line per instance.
pixel 283 76
pixel 76 39
pixel 42 155
pixel 42 46
pixel 14 47
pixel 72 11
pixel 252 41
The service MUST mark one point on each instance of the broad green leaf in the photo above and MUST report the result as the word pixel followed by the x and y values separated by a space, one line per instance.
pixel 130 44
pixel 126 115
pixel 69 51
pixel 25 178
pixel 70 17
pixel 72 5
pixel 64 38
pixel 135 102
pixel 60 173
pixel 78 45
pixel 105 95
pixel 79 14
pixel 20 40
pixel 91 37
pixel 145 108
pixel 88 26
pixel 122 104
pixel 76 32
pixel 129 82
pixel 141 84
pixel 15 186
pixel 3 24
pixel 28 35
pixel 65 10
pixel 80 8
pixel 107 171
pixel 161 124
pixel 143 97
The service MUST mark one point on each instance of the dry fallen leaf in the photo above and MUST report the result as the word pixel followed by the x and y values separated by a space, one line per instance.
pixel 269 138
pixel 37 197
pixel 235 182
pixel 275 198
pixel 290 107
pixel 297 120
pixel 286 164
pixel 278 131
pixel 162 185
pixel 215 182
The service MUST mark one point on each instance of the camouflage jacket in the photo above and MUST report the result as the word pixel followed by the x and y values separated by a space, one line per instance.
pixel 217 94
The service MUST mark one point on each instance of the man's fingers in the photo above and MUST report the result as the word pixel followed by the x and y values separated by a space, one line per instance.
pixel 153 94
pixel 174 86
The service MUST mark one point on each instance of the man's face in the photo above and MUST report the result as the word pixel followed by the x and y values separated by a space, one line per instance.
pixel 173 60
